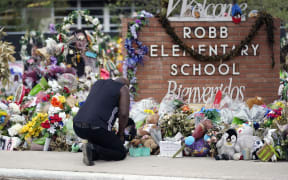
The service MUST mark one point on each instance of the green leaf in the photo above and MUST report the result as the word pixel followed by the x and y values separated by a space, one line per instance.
pixel 40 141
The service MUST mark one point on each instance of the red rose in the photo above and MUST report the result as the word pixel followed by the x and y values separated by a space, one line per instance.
pixel 52 120
pixel 44 99
pixel 45 124
pixel 55 118
pixel 60 38
pixel 66 90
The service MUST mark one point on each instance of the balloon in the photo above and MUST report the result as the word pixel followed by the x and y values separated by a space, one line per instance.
pixel 2 119
pixel 189 140
pixel 206 137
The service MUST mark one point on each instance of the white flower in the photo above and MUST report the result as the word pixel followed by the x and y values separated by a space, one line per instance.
pixel 53 110
pixel 86 18
pixel 54 85
pixel 146 14
pixel 65 19
pixel 14 108
pixel 95 21
pixel 134 14
pixel 75 111
pixel 17 118
pixel 33 33
pixel 14 130
pixel 90 18
pixel 71 52
pixel 24 47
pixel 3 106
pixel 99 27
pixel 63 116
pixel 66 27
pixel 51 130
pixel 95 48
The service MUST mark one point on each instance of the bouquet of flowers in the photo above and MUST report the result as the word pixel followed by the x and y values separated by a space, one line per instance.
pixel 275 114
pixel 53 125
pixel 177 122
pixel 33 128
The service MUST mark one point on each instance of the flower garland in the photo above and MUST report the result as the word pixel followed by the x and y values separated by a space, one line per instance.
pixel 33 38
pixel 263 18
pixel 135 56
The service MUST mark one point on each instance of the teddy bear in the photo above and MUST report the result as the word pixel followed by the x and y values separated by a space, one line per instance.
pixel 227 146
pixel 256 100
pixel 151 123
pixel 146 141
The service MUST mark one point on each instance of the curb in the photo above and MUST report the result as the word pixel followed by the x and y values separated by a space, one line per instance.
pixel 67 175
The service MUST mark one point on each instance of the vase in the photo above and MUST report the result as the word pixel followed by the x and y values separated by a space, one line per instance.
pixel 47 143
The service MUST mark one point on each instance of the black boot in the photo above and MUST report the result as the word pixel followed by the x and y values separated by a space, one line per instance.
pixel 88 154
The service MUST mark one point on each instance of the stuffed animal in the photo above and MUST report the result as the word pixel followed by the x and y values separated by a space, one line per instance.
pixel 283 129
pixel 256 100
pixel 227 146
pixel 270 142
pixel 236 13
pixel 246 140
pixel 199 132
pixel 151 122
pixel 201 129
pixel 258 144
pixel 148 141
pixel 253 14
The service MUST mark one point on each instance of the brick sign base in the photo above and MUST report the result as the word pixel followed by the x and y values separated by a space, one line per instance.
pixel 256 73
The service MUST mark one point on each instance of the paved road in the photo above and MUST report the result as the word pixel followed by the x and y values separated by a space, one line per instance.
pixel 65 165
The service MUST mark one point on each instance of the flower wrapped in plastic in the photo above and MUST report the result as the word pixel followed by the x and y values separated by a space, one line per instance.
pixel 33 128
pixel 14 130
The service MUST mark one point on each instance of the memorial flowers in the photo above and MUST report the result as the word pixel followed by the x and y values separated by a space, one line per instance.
pixel 135 56
pixel 274 115
pixel 14 130
pixel 52 125
pixel 33 128
pixel 6 55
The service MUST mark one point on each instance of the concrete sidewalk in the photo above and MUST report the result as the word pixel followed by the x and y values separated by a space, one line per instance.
pixel 65 165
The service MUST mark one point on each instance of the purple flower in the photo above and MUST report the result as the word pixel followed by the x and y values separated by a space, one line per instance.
pixel 53 60
pixel 138 21
pixel 52 29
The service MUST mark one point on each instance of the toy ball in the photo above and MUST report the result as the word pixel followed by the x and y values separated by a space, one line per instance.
pixel 207 137
pixel 189 140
